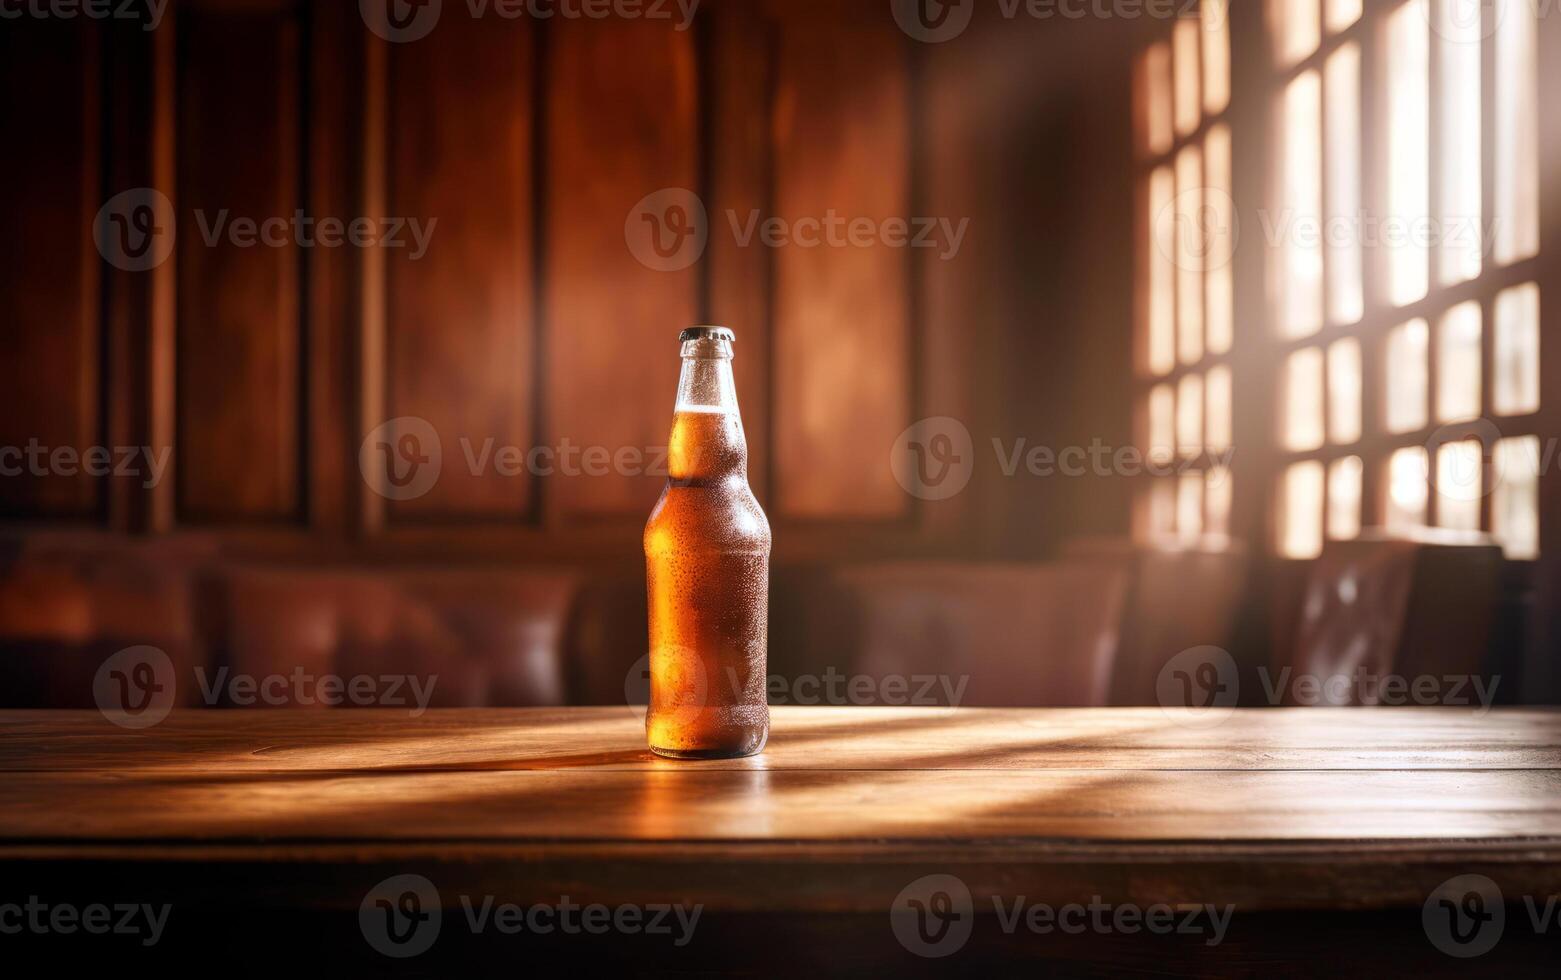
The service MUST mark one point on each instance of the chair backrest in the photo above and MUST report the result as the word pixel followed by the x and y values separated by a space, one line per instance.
pixel 1381 607
pixel 478 637
pixel 990 634
pixel 64 612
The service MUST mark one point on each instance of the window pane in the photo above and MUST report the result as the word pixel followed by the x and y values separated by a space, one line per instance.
pixel 1216 56
pixel 1342 82
pixel 1301 524
pixel 1162 423
pixel 1460 475
pixel 1458 364
pixel 1458 142
pixel 1344 383
pixel 1162 508
pixel 1517 131
pixel 1407 489
pixel 1190 250
pixel 1189 506
pixel 1406 394
pixel 1299 276
pixel 1295 29
pixel 1189 416
pixel 1516 375
pixel 1303 400
pixel 1220 244
pixel 1341 14
pixel 1217 392
pixel 1217 496
pixel 1408 175
pixel 1162 271
pixel 1184 41
pixel 1155 93
pixel 1515 498
pixel 1344 478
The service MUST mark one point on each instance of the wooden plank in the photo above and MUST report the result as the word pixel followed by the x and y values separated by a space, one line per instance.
pixel 842 313
pixel 50 329
pixel 802 739
pixel 460 334
pixel 787 805
pixel 622 125
pixel 239 394
pixel 742 98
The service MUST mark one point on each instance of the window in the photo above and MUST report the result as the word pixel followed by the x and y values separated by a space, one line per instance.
pixel 1186 310
pixel 1404 321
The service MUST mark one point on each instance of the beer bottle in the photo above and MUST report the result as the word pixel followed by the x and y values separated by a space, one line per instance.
pixel 707 570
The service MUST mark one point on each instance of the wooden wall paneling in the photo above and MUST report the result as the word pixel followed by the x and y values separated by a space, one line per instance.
pixel 740 53
pixel 335 102
pixel 50 270
pixel 622 124
pixel 459 332
pixel 239 153
pixel 843 344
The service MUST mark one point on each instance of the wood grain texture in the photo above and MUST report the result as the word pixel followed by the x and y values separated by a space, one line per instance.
pixel 842 311
pixel 239 328
pixel 49 268
pixel 803 739
pixel 1276 808
pixel 460 331
pixel 622 125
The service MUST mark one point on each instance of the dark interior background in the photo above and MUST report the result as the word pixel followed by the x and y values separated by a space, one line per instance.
pixel 530 322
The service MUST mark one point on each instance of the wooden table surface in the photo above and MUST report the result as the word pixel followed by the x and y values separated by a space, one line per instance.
pixel 1277 808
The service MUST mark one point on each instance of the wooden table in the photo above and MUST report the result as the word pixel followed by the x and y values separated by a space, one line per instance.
pixel 1293 816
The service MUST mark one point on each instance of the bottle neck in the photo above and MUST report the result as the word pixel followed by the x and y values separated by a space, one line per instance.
pixel 707 443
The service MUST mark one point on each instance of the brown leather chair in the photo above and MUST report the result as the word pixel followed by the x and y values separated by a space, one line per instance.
pixel 992 634
pixel 1179 598
pixel 65 611
pixel 479 637
pixel 1396 607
